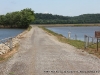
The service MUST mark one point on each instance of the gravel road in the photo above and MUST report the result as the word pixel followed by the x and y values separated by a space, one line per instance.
pixel 42 54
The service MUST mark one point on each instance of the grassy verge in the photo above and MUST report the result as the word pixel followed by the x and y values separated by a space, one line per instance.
pixel 68 25
pixel 76 43
pixel 92 49
pixel 29 28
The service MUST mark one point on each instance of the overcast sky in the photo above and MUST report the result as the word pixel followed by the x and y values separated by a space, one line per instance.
pixel 59 7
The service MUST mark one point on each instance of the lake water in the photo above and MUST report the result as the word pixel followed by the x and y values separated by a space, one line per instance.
pixel 79 31
pixel 5 33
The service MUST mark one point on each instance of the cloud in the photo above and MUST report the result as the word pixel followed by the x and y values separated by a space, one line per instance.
pixel 47 12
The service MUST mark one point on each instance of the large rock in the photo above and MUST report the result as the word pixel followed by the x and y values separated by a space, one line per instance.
pixel 1 53
pixel 4 48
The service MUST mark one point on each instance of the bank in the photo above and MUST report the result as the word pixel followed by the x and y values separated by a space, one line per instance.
pixel 66 25
pixel 92 49
pixel 6 52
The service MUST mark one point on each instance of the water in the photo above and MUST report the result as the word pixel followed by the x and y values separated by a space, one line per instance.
pixel 5 33
pixel 79 31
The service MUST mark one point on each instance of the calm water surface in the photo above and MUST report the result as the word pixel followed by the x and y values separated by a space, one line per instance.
pixel 5 33
pixel 79 31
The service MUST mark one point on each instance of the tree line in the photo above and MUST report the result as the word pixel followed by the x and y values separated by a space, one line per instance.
pixel 22 19
pixel 59 19
pixel 18 19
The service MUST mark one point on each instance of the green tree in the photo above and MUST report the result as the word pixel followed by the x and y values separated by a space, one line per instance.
pixel 20 19
pixel 27 16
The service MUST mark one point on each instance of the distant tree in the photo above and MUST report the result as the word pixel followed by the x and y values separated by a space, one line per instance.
pixel 27 16
pixel 58 19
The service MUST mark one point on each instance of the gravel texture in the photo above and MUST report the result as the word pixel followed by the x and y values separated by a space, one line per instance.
pixel 42 54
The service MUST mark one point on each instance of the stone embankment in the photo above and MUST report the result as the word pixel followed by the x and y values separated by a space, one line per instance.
pixel 5 47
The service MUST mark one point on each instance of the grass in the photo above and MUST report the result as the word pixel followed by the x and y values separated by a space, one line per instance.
pixel 92 49
pixel 29 28
pixel 68 25
pixel 1 58
pixel 11 73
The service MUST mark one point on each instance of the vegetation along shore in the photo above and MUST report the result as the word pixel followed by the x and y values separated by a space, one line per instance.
pixel 76 43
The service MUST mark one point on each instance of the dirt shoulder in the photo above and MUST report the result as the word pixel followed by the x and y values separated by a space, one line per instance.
pixel 41 54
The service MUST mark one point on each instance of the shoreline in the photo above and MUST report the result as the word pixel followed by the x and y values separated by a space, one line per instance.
pixel 5 51
pixel 66 25
pixel 76 43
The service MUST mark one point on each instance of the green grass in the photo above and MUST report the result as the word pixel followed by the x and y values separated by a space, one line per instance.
pixel 29 28
pixel 1 58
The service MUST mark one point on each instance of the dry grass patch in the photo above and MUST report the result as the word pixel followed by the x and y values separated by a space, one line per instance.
pixel 9 54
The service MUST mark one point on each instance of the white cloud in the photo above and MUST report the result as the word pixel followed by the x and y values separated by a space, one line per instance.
pixel 45 12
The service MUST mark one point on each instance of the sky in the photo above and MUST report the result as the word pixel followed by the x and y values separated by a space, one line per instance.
pixel 56 7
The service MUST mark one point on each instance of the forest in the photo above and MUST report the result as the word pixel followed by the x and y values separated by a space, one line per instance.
pixel 18 19
pixel 59 19
pixel 25 17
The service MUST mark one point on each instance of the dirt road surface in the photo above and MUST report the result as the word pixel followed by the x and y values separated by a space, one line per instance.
pixel 41 54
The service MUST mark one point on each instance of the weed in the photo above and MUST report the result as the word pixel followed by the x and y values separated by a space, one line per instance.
pixel 29 28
